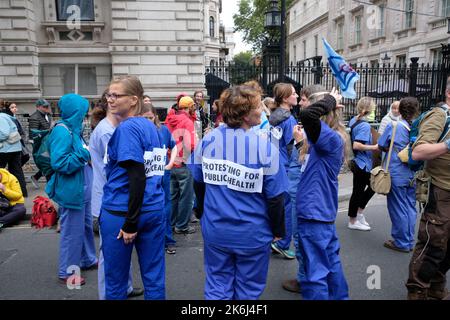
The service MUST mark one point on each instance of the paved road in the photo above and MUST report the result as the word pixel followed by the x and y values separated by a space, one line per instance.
pixel 28 264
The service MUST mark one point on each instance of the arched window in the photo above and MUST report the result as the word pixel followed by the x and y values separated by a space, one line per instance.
pixel 212 62
pixel 211 27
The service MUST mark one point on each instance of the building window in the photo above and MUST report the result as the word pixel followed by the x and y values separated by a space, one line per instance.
pixel 381 27
pixel 211 27
pixel 357 29
pixel 409 10
pixel 295 53
pixel 436 56
pixel 446 8
pixel 340 36
pixel 316 45
pixel 86 80
pixel 81 10
pixel 401 60
pixel 304 49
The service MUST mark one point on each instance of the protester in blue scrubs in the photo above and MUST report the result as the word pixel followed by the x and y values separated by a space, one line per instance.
pixel 240 187
pixel 283 124
pixel 401 200
pixel 102 132
pixel 70 187
pixel 168 143
pixel 294 173
pixel 132 212
pixel 317 201
pixel 361 138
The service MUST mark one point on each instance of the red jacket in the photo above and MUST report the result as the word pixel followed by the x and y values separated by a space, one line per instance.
pixel 182 129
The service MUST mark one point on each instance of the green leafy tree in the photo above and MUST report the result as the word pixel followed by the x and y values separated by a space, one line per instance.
pixel 250 21
pixel 243 68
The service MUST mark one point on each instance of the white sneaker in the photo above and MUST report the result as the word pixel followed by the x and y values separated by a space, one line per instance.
pixel 358 226
pixel 362 219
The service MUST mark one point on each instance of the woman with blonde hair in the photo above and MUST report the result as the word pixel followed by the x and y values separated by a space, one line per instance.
pixel 317 199
pixel 132 210
pixel 361 137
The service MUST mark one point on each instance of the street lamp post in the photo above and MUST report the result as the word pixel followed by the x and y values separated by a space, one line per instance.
pixel 282 41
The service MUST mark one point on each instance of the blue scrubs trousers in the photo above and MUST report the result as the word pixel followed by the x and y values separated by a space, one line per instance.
pixel 149 245
pixel 101 275
pixel 167 208
pixel 286 241
pixel 324 278
pixel 77 246
pixel 401 202
pixel 235 274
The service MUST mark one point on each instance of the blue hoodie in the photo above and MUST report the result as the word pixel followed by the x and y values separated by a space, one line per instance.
pixel 67 154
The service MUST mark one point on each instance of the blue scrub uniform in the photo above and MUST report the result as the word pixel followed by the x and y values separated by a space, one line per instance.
pixel 135 139
pixel 317 202
pixel 241 172
pixel 286 128
pixel 401 200
pixel 362 133
pixel 77 246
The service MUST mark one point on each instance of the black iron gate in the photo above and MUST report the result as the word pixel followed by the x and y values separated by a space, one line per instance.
pixel 384 82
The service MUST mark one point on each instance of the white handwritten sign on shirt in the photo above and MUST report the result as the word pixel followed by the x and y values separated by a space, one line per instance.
pixel 154 162
pixel 232 175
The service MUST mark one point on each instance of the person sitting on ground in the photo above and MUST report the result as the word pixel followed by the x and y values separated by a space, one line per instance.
pixel 10 190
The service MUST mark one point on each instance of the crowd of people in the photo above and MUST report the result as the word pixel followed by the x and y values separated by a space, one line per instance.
pixel 138 181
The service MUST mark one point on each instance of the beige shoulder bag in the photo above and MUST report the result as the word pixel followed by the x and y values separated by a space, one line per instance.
pixel 380 179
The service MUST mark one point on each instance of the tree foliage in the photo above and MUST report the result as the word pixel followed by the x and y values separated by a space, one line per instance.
pixel 250 21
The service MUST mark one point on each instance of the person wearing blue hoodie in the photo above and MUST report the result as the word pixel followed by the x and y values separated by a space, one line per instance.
pixel 70 187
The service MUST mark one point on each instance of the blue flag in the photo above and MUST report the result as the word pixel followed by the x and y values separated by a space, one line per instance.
pixel 342 71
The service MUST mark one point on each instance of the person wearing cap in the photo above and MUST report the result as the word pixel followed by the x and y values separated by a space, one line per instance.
pixel 41 119
pixel 182 129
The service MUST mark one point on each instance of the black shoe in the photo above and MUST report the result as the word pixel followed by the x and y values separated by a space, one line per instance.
pixel 92 267
pixel 136 292
pixel 188 230
pixel 291 286
pixel 171 250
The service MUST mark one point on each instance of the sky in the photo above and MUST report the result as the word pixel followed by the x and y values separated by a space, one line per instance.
pixel 230 7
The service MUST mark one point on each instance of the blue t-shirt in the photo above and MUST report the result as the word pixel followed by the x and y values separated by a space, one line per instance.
pixel 135 139
pixel 241 172
pixel 97 148
pixel 286 128
pixel 401 175
pixel 317 194
pixel 167 142
pixel 362 134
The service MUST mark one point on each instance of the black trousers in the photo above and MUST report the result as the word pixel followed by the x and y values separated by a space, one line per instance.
pixel 362 192
pixel 14 162
pixel 12 215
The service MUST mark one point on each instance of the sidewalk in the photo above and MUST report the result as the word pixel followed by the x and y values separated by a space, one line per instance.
pixel 345 186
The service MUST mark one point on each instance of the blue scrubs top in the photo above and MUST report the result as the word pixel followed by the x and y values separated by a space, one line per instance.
pixel 401 175
pixel 362 133
pixel 135 139
pixel 241 172
pixel 317 194
pixel 286 128
pixel 167 142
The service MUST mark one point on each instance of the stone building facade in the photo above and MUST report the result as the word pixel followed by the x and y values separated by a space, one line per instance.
pixel 377 31
pixel 51 47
